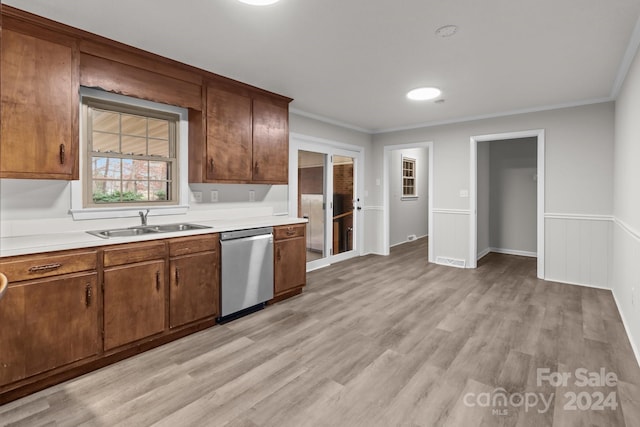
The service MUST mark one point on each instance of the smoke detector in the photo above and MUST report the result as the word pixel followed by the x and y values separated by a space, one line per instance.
pixel 446 31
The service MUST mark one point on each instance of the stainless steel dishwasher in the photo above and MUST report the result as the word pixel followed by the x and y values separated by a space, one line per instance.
pixel 246 271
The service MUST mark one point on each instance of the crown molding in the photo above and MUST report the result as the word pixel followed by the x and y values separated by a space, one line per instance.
pixel 627 60
pixel 330 121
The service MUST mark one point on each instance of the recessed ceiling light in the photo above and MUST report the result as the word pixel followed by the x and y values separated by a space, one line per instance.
pixel 424 93
pixel 259 2
pixel 446 31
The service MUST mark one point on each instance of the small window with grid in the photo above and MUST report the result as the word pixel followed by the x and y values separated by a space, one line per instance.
pixel 409 178
pixel 131 156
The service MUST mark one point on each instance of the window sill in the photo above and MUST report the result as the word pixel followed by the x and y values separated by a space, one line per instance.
pixel 120 212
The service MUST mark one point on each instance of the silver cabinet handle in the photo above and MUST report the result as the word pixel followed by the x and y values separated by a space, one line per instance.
pixel 45 267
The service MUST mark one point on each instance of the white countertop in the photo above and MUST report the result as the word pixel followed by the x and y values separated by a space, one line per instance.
pixel 49 242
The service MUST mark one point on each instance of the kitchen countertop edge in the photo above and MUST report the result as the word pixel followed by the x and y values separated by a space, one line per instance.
pixel 52 242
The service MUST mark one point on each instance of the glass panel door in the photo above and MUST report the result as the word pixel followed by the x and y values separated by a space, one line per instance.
pixel 311 201
pixel 343 204
pixel 327 198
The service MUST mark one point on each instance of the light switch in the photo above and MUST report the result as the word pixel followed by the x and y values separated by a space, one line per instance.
pixel 214 196
pixel 252 195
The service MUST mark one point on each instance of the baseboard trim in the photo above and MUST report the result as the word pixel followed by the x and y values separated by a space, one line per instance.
pixel 568 282
pixel 634 347
pixel 408 241
pixel 483 254
pixel 514 252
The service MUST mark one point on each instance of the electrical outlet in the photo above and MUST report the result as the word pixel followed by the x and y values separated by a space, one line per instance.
pixel 214 196
pixel 252 195
pixel 464 193
pixel 197 196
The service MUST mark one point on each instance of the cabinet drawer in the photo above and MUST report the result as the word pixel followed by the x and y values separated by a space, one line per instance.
pixel 289 231
pixel 189 245
pixel 28 267
pixel 134 252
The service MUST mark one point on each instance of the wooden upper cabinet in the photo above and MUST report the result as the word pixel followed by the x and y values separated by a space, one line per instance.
pixel 270 142
pixel 39 135
pixel 229 141
pixel 247 137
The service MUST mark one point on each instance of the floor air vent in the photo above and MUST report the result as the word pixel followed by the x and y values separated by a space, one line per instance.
pixel 453 262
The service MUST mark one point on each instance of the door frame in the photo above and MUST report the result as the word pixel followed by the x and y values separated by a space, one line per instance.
pixel 329 147
pixel 473 192
pixel 386 215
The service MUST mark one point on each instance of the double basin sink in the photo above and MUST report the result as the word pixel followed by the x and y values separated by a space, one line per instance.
pixel 145 229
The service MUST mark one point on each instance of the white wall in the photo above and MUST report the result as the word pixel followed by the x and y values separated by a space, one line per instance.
pixel 626 191
pixel 410 216
pixel 30 206
pixel 578 178
pixel 513 194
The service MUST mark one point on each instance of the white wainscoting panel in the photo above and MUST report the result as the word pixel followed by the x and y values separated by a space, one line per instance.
pixel 451 234
pixel 373 227
pixel 626 280
pixel 578 249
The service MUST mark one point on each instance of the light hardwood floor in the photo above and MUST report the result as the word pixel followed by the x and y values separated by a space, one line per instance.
pixel 375 341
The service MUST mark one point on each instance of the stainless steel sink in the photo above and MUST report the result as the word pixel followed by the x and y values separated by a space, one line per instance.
pixel 168 228
pixel 142 230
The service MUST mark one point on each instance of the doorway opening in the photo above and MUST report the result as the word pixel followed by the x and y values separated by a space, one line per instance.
pixel 507 196
pixel 408 194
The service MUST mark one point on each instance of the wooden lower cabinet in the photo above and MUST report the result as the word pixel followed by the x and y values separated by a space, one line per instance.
pixel 290 259
pixel 134 302
pixel 55 323
pixel 48 323
pixel 194 288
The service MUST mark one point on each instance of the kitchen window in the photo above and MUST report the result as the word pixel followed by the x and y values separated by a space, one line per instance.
pixel 409 178
pixel 131 155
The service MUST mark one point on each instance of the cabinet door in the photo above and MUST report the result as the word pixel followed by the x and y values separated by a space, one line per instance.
pixel 290 265
pixel 39 108
pixel 228 136
pixel 134 302
pixel 54 322
pixel 61 321
pixel 12 335
pixel 270 142
pixel 194 288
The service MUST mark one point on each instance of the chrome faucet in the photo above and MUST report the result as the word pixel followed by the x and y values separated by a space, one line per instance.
pixel 143 217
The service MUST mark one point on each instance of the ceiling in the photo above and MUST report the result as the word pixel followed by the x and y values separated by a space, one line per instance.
pixel 352 62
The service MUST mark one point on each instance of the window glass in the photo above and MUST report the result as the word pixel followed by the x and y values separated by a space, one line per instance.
pixel 130 155
pixel 408 177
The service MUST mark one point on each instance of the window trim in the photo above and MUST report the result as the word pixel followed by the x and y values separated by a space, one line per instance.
pixel 80 212
pixel 413 195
